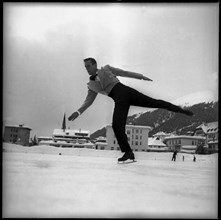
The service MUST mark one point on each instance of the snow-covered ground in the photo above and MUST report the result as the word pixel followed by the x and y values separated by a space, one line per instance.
pixel 44 181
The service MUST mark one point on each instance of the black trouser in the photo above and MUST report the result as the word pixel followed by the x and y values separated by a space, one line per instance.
pixel 125 96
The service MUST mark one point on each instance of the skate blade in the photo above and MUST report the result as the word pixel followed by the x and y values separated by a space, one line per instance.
pixel 126 161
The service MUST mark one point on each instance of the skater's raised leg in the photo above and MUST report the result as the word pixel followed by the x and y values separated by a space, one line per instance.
pixel 139 99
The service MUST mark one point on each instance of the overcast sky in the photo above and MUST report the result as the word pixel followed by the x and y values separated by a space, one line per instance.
pixel 44 77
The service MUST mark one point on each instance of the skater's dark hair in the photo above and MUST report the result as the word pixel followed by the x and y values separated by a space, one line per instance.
pixel 92 60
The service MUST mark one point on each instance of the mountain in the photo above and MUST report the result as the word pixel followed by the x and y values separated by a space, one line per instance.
pixel 195 98
pixel 166 121
pixel 98 133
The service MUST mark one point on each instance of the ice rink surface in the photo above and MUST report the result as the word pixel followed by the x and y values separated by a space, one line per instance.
pixel 45 181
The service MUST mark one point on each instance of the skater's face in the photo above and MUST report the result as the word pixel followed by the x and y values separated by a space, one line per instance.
pixel 91 68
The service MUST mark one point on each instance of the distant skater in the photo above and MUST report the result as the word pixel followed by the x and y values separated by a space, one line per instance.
pixel 194 158
pixel 183 157
pixel 174 156
pixel 105 81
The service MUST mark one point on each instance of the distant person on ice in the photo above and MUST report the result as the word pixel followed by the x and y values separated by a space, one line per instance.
pixel 105 81
pixel 174 155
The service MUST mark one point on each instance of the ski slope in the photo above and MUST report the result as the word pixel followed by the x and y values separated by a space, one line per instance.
pixel 44 181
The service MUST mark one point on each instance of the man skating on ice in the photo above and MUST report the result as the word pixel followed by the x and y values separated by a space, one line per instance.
pixel 105 81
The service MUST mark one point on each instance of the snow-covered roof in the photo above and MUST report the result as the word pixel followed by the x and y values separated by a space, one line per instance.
pixel 44 137
pixel 18 126
pixel 155 142
pixel 100 138
pixel 70 132
pixel 138 126
pixel 209 127
pixel 135 126
pixel 212 127
pixel 185 136
pixel 161 133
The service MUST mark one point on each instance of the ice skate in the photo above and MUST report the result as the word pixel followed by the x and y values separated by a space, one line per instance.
pixel 126 156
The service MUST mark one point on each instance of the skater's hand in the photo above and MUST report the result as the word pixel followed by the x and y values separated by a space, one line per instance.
pixel 146 78
pixel 73 116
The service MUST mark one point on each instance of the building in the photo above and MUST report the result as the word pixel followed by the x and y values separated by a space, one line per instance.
pixel 67 138
pixel 71 138
pixel 44 138
pixel 17 134
pixel 70 135
pixel 156 145
pixel 101 143
pixel 176 142
pixel 137 137
pixel 210 132
pixel 161 135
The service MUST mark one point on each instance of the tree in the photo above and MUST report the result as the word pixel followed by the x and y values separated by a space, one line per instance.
pixel 201 149
pixel 34 141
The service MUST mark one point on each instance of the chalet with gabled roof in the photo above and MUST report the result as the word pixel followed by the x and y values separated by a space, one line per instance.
pixel 210 132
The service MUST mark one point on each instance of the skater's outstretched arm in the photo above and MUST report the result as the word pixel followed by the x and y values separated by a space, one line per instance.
pixel 91 95
pixel 123 73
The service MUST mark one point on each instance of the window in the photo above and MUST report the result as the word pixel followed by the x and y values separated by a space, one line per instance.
pixel 137 131
pixel 128 131
pixel 141 131
pixel 136 136
pixel 136 143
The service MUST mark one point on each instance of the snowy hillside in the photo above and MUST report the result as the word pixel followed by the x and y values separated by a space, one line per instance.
pixel 195 98
pixel 188 100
